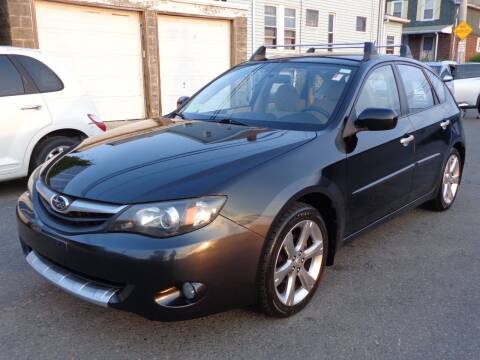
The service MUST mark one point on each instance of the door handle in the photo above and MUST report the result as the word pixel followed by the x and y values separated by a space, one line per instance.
pixel 444 124
pixel 407 140
pixel 32 107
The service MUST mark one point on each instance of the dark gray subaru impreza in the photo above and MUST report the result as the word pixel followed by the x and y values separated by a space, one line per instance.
pixel 244 194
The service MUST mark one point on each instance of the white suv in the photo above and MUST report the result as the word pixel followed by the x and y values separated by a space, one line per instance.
pixel 43 110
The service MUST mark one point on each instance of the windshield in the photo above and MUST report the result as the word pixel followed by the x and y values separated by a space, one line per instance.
pixel 436 68
pixel 275 94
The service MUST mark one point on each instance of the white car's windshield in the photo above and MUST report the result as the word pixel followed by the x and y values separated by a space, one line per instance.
pixel 274 94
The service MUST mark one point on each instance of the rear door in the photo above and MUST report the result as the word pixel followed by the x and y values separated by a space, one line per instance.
pixel 380 168
pixel 431 115
pixel 23 113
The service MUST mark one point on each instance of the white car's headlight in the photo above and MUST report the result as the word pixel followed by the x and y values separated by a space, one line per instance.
pixel 170 218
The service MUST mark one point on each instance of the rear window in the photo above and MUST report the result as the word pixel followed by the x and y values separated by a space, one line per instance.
pixel 439 87
pixel 43 77
pixel 467 71
pixel 11 83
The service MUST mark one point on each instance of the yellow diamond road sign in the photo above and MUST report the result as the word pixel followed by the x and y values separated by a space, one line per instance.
pixel 463 30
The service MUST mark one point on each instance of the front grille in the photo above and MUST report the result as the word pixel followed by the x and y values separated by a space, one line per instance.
pixel 76 218
pixel 80 216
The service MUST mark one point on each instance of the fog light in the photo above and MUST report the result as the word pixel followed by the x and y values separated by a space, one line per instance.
pixel 193 290
pixel 189 291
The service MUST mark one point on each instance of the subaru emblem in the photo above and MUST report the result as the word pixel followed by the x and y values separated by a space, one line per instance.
pixel 60 203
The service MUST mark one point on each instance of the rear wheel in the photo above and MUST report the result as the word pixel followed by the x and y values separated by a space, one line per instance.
pixel 293 262
pixel 51 147
pixel 449 183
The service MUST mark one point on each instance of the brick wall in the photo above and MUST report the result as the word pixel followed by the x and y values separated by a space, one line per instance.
pixel 4 24
pixel 18 29
pixel 444 51
pixel 471 50
pixel 239 40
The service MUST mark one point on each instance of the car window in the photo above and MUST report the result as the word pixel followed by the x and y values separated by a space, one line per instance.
pixel 417 89
pixel 467 71
pixel 43 77
pixel 10 80
pixel 379 91
pixel 439 87
pixel 275 94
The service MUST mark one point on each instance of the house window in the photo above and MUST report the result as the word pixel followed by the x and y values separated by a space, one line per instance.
pixel 478 45
pixel 290 27
pixel 428 10
pixel 397 8
pixel 270 25
pixel 331 29
pixel 312 18
pixel 390 43
pixel 361 23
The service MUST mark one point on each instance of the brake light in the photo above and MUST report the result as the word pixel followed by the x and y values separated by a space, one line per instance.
pixel 95 120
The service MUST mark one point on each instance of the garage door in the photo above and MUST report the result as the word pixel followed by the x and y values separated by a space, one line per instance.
pixel 103 48
pixel 193 51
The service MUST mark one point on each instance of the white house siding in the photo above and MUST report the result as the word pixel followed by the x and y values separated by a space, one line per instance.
pixel 346 12
pixel 394 29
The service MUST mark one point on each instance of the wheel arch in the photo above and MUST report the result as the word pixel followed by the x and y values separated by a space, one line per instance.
pixel 68 132
pixel 460 147
pixel 329 204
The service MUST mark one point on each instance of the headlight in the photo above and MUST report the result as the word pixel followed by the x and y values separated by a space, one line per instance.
pixel 170 218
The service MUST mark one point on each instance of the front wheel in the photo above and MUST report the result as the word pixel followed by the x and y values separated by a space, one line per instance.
pixel 51 147
pixel 293 261
pixel 449 183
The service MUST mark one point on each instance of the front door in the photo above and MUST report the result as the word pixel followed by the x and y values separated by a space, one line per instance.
pixel 380 167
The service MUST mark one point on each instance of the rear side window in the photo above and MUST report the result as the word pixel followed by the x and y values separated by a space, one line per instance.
pixel 43 77
pixel 439 87
pixel 418 91
pixel 11 83
pixel 379 91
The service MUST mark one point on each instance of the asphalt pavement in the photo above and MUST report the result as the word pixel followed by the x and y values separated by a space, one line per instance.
pixel 410 289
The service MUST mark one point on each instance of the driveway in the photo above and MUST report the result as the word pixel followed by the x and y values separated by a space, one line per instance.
pixel 410 289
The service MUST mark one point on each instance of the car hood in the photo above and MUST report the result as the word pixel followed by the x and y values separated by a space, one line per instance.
pixel 155 160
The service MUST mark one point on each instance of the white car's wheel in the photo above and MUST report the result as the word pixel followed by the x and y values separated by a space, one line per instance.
pixel 51 147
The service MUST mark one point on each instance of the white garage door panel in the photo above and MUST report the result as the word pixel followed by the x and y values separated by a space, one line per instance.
pixel 103 49
pixel 193 52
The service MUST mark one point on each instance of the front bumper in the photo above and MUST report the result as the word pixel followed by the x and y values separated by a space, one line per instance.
pixel 127 271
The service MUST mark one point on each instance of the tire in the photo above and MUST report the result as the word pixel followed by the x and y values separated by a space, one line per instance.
pixel 441 202
pixel 273 297
pixel 49 145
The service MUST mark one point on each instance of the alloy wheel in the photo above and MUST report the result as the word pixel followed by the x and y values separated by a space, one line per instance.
pixel 451 179
pixel 299 262
pixel 55 151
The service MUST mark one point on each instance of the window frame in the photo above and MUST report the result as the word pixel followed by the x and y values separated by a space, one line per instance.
pixel 477 48
pixel 404 93
pixel 401 7
pixel 400 90
pixel 429 73
pixel 390 49
pixel 317 12
pixel 331 33
pixel 285 28
pixel 425 9
pixel 32 84
pixel 275 28
pixel 364 18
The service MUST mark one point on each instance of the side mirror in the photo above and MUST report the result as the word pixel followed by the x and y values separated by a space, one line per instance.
pixel 447 78
pixel 181 101
pixel 377 119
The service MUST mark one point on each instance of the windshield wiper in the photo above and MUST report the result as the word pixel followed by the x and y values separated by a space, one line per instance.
pixel 176 113
pixel 230 121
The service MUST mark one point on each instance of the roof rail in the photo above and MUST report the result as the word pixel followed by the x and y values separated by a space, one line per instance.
pixel 369 49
